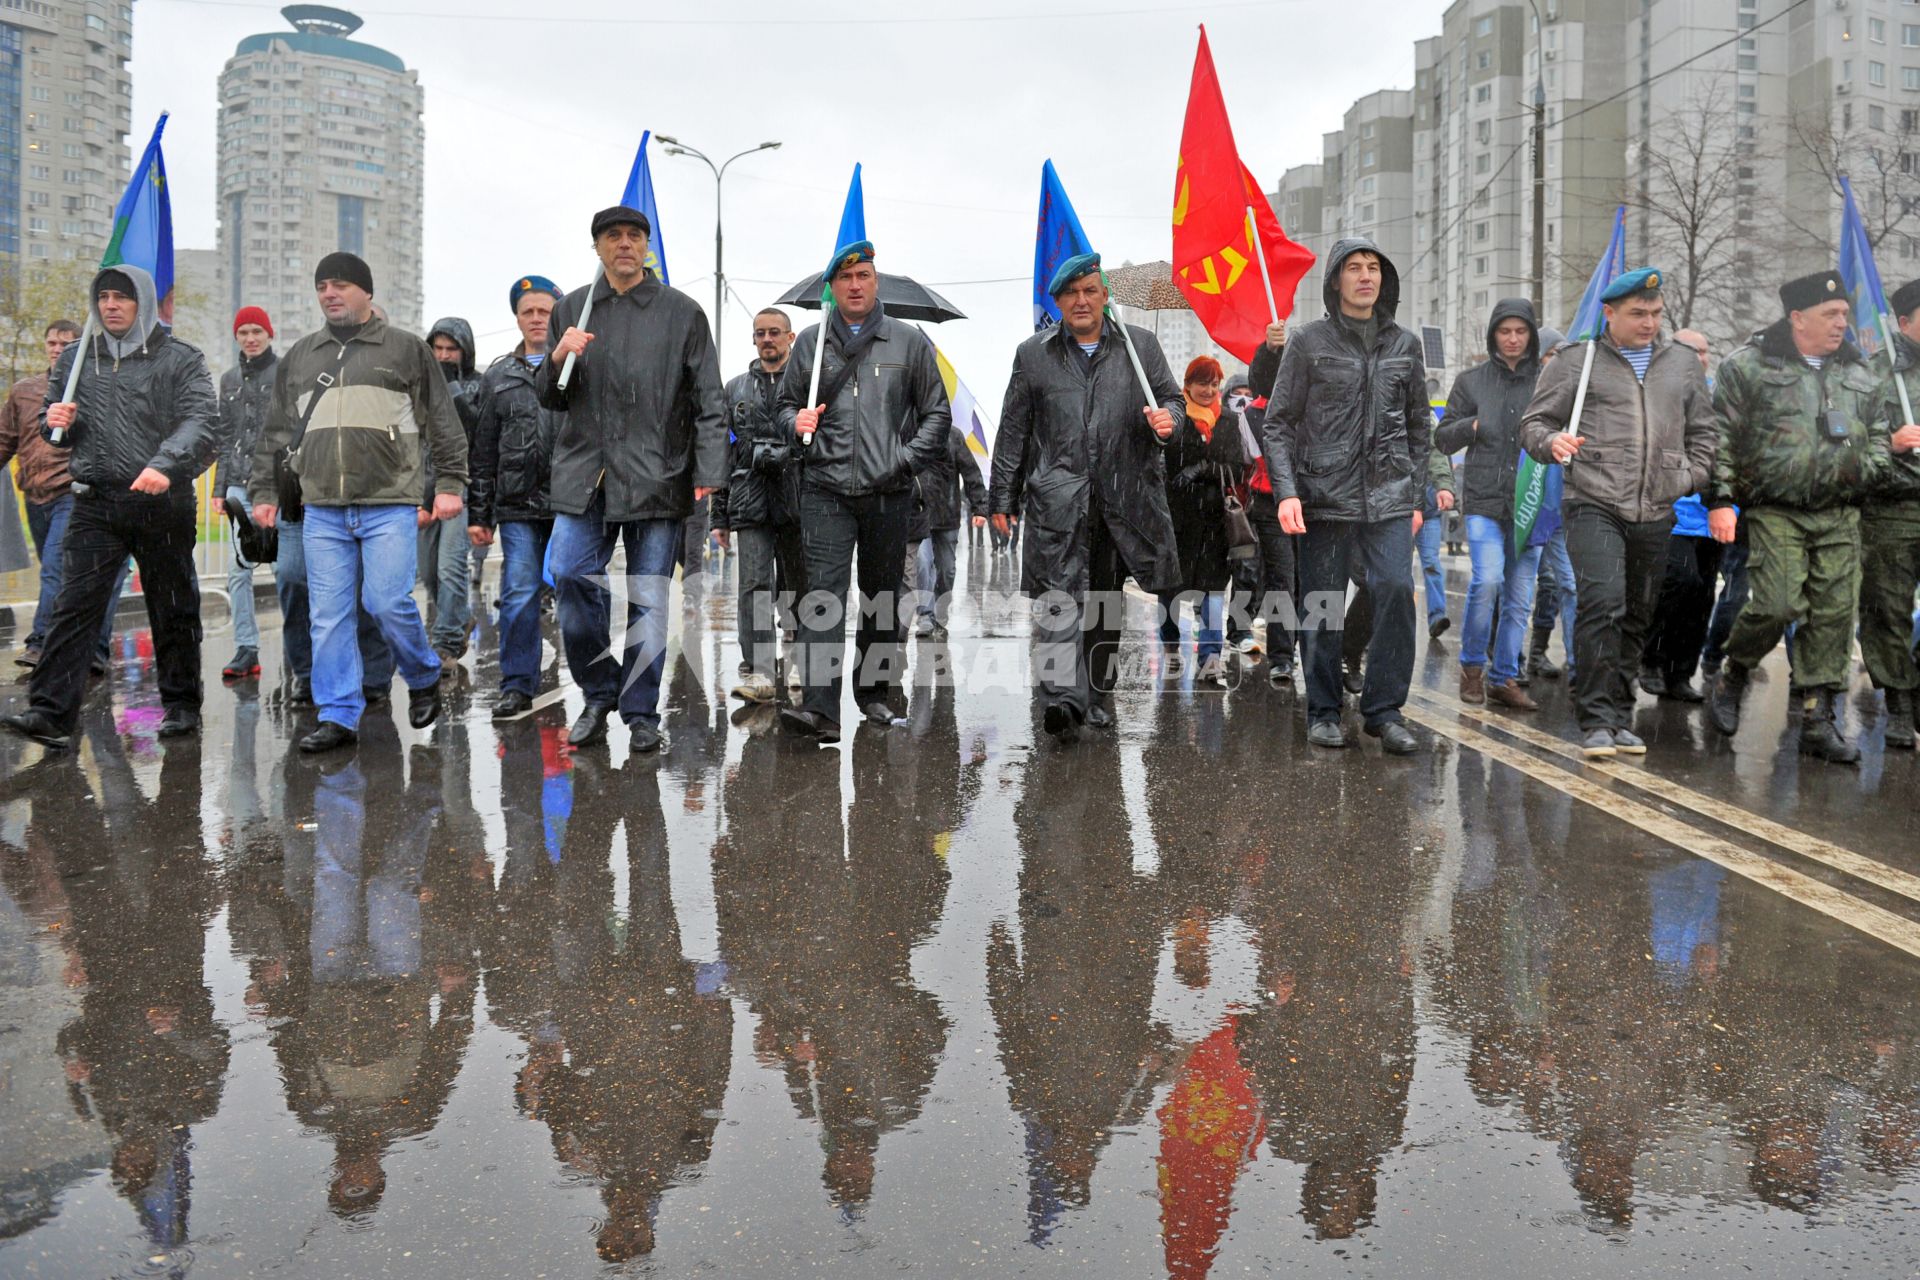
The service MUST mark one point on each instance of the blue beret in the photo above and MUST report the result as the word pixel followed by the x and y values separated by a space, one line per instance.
pixel 1645 280
pixel 1080 264
pixel 531 284
pixel 848 254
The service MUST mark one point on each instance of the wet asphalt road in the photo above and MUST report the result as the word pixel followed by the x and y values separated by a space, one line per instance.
pixel 949 1000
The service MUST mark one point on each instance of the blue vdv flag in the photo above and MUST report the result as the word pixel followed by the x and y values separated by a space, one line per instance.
pixel 639 195
pixel 1587 318
pixel 853 216
pixel 143 223
pixel 1058 237
pixel 1869 325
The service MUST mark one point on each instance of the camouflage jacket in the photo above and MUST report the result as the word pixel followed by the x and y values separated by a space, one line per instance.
pixel 1780 423
pixel 1900 482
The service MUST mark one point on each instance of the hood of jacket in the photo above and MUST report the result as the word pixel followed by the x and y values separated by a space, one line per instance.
pixel 145 320
pixel 1514 309
pixel 1389 301
pixel 461 332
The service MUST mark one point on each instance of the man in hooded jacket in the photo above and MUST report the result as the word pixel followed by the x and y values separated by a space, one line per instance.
pixel 1483 417
pixel 444 564
pixel 1081 457
pixel 1348 433
pixel 142 426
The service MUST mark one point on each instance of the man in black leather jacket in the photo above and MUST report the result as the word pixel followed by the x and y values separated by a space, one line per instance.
pixel 444 567
pixel 760 507
pixel 508 474
pixel 1347 438
pixel 884 423
pixel 142 428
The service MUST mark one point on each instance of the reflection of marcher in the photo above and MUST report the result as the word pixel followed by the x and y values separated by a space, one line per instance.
pixel 639 1050
pixel 645 438
pixel 1080 458
pixel 145 1054
pixel 1072 1004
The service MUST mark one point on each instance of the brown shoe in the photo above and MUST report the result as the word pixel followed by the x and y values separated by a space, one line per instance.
pixel 1473 685
pixel 1511 696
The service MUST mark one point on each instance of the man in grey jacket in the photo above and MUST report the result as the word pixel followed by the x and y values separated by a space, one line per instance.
pixel 882 422
pixel 142 427
pixel 359 395
pixel 1645 439
pixel 645 438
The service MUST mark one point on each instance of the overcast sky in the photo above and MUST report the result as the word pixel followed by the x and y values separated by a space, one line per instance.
pixel 533 112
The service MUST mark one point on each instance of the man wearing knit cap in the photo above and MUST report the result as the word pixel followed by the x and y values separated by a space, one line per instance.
pixel 245 392
pixel 507 487
pixel 1802 438
pixel 645 437
pixel 351 403
pixel 141 427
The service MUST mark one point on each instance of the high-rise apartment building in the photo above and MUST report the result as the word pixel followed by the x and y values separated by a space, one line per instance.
pixel 321 148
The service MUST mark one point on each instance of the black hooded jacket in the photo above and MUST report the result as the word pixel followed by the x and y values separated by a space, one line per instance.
pixel 511 464
pixel 1348 428
pixel 463 385
pixel 1483 416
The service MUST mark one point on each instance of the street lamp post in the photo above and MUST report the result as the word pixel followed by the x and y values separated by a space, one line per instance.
pixel 675 147
pixel 1539 165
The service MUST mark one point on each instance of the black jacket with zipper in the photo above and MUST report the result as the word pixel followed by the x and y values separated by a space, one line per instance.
pixel 1348 429
pixel 888 423
pixel 1484 410
pixel 246 393
pixel 512 462
pixel 763 489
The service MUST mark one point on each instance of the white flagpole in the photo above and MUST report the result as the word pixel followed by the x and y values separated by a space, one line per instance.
pixel 586 314
pixel 1139 370
pixel 1260 256
pixel 819 359
pixel 73 374
pixel 1580 396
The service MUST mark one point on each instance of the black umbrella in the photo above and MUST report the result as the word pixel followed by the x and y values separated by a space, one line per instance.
pixel 903 298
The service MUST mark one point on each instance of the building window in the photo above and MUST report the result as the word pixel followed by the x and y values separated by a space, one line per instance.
pixel 1877 74
pixel 1747 91
pixel 1910 78
pixel 1480 231
pixel 1876 31
pixel 1480 266
pixel 1366 130
pixel 1876 116
pixel 1482 60
pixel 1366 186
pixel 1483 93
pixel 1366 160
pixel 1748 61
pixel 1483 26
pixel 1482 163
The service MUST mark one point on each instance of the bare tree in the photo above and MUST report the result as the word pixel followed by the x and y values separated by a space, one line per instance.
pixel 1697 194
pixel 1876 152
pixel 33 295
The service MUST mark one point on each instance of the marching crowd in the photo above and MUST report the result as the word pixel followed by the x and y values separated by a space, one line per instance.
pixel 1295 498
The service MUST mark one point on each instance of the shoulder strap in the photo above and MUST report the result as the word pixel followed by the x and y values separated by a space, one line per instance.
pixel 326 378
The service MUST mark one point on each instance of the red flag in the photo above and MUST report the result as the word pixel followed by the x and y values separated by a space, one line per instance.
pixel 1210 1127
pixel 1213 250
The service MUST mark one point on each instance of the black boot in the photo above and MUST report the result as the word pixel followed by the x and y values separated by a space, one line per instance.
pixel 1818 734
pixel 1723 704
pixel 1900 725
pixel 1538 663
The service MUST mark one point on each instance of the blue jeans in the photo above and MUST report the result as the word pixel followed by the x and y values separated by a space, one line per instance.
pixel 1497 575
pixel 523 549
pixel 1208 628
pixel 47 522
pixel 933 577
pixel 365 554
pixel 1433 532
pixel 246 627
pixel 577 557
pixel 1558 565
pixel 296 620
pixel 444 566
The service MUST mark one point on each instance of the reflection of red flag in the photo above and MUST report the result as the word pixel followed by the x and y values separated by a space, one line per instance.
pixel 1213 251
pixel 1209 1127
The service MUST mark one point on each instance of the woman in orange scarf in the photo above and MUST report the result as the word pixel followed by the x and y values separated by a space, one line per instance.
pixel 1201 463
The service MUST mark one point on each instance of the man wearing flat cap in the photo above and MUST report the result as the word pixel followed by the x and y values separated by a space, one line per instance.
pixel 1802 437
pixel 1643 441
pixel 353 402
pixel 645 438
pixel 1890 539
pixel 1081 458
pixel 881 422
pixel 507 488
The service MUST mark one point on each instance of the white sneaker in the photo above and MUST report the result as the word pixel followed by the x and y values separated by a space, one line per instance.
pixel 755 688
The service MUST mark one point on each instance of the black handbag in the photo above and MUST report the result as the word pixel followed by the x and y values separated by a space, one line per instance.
pixel 257 546
pixel 1241 542
pixel 286 481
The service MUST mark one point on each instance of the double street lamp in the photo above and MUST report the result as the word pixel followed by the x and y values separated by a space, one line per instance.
pixel 675 147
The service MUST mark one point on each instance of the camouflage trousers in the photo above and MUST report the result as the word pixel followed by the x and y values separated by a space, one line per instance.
pixel 1890 570
pixel 1802 566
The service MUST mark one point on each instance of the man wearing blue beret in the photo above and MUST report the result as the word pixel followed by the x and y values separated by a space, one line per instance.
pixel 510 474
pixel 1081 457
pixel 1644 440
